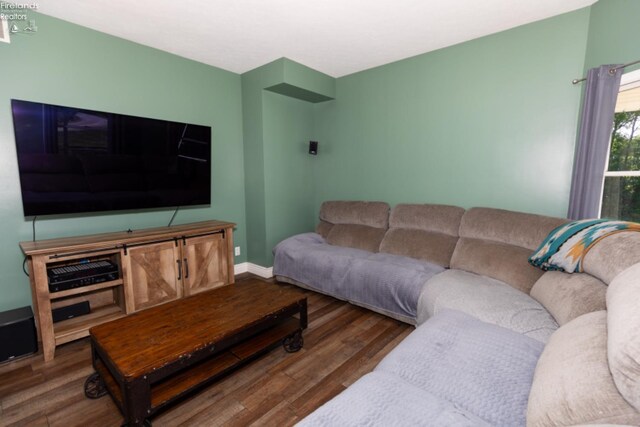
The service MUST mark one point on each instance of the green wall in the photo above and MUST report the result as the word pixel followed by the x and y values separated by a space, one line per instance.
pixel 289 181
pixel 614 33
pixel 253 83
pixel 66 64
pixel 490 122
pixel 278 122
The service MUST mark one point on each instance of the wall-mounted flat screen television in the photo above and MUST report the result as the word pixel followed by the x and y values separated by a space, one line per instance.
pixel 75 160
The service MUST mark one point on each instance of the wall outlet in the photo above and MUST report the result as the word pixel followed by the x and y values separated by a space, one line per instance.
pixel 237 251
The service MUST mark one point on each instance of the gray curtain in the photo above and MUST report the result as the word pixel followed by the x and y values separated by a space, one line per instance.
pixel 592 149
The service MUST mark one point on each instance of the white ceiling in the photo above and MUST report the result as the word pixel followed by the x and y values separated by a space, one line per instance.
pixel 337 37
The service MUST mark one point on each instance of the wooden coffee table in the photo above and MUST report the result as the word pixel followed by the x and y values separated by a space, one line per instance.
pixel 149 359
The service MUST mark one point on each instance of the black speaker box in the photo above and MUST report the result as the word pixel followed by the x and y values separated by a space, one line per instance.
pixel 313 147
pixel 17 333
pixel 70 311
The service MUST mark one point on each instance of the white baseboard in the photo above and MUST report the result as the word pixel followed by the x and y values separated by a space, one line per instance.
pixel 258 270
pixel 243 267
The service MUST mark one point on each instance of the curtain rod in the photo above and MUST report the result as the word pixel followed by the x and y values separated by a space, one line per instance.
pixel 612 71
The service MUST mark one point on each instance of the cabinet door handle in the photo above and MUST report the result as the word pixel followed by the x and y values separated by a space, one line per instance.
pixel 179 269
pixel 186 268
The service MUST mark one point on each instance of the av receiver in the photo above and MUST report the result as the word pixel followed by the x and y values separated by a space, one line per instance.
pixel 81 274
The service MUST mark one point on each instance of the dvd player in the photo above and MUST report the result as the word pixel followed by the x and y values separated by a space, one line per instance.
pixel 81 274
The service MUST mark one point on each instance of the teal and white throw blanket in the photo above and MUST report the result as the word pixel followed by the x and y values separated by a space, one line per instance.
pixel 566 246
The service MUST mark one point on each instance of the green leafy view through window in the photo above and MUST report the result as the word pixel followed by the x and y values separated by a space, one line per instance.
pixel 621 193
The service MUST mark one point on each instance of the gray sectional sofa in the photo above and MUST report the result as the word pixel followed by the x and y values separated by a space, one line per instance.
pixel 498 341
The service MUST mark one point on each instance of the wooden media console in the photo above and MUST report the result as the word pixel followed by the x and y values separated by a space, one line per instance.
pixel 156 265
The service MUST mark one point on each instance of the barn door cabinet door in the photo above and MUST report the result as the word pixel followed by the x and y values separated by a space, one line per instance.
pixel 204 261
pixel 155 274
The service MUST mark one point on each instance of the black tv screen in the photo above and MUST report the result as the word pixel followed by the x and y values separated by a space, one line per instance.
pixel 77 160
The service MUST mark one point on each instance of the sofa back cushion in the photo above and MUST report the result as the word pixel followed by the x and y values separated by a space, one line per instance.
pixel 425 232
pixel 567 296
pixel 497 243
pixel 572 384
pixel 323 228
pixel 356 236
pixel 353 224
pixel 371 214
pixel 623 297
pixel 612 255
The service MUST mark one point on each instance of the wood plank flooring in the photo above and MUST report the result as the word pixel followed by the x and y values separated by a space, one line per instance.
pixel 342 343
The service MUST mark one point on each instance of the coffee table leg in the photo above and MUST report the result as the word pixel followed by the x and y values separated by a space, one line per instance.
pixel 293 342
pixel 137 402
pixel 303 314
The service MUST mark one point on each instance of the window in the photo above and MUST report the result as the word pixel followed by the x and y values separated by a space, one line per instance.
pixel 621 190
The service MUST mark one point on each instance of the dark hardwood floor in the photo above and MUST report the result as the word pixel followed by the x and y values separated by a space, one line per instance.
pixel 342 343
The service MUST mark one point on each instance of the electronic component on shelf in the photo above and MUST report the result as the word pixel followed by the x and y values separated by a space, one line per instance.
pixel 81 274
pixel 70 311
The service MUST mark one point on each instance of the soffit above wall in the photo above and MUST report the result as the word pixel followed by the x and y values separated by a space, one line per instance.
pixel 336 37
pixel 298 93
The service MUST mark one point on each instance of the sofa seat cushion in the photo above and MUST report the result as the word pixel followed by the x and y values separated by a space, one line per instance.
pixel 483 369
pixel 382 399
pixel 308 258
pixel 388 282
pixel 572 384
pixel 487 299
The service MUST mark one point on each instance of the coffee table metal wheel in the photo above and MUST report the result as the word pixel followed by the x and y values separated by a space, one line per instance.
pixel 293 342
pixel 94 387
